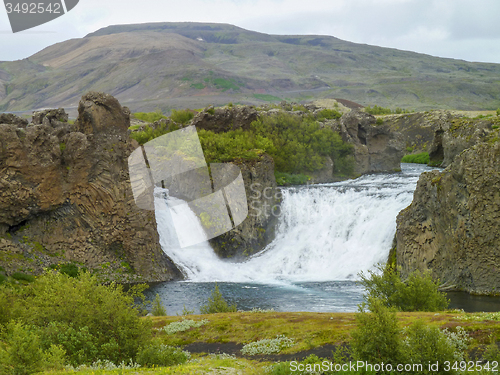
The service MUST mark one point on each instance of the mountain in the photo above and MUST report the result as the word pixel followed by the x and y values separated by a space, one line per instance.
pixel 175 65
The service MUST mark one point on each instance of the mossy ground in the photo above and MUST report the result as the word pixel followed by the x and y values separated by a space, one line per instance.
pixel 311 331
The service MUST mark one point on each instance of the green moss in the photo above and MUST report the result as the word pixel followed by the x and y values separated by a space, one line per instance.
pixel 421 158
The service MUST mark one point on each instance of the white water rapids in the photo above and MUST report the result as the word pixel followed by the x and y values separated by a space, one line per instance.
pixel 326 232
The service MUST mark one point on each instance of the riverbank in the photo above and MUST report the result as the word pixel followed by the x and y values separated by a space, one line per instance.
pixel 216 345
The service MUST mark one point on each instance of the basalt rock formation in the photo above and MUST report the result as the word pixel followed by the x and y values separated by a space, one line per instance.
pixel 452 226
pixel 263 199
pixel 65 196
pixel 377 148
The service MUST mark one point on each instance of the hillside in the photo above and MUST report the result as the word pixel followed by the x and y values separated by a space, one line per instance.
pixel 174 65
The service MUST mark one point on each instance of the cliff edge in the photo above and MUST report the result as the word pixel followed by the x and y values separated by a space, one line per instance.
pixel 65 196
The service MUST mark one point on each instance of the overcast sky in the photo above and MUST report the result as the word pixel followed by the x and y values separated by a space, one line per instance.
pixel 461 29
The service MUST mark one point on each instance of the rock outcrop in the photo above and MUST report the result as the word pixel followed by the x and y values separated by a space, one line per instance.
pixel 11 119
pixel 226 118
pixel 263 199
pixel 377 148
pixel 452 227
pixel 65 196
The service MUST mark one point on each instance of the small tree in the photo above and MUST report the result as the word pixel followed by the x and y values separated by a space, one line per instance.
pixel 216 304
pixel 417 293
pixel 158 309
pixel 377 337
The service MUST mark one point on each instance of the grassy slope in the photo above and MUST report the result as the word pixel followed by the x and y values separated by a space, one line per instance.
pixel 310 330
pixel 165 65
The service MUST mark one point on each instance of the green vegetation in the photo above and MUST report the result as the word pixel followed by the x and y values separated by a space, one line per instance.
pixel 266 97
pixel 149 116
pixel 216 304
pixel 286 179
pixel 376 110
pixel 297 144
pixel 158 309
pixel 498 112
pixel 23 277
pixel 62 319
pixel 417 293
pixel 268 346
pixel 182 116
pixel 421 158
pixel 328 114
pixel 151 133
pixel 158 354
pixel 198 86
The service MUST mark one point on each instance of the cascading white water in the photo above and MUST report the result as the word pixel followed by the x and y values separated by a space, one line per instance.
pixel 326 232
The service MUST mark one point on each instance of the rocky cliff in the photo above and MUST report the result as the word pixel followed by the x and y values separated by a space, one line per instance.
pixel 65 196
pixel 263 199
pixel 377 148
pixel 452 226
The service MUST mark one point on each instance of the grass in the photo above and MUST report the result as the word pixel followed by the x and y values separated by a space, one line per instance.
pixel 421 158
pixel 266 97
pixel 308 330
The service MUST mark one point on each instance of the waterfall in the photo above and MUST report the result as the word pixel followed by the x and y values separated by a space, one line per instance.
pixel 326 232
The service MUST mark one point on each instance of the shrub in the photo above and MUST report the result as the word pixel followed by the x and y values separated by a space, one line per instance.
pixel 158 309
pixel 377 337
pixel 183 325
pixel 424 345
pixel 23 277
pixel 216 304
pixel 158 354
pixel 326 113
pixel 149 133
pixel 84 314
pixel 418 293
pixel 376 110
pixel 422 158
pixel 284 179
pixel 22 354
pixel 182 116
pixel 268 346
pixel 149 116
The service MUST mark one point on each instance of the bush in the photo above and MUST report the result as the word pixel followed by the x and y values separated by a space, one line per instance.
pixel 285 179
pixel 183 325
pixel 376 110
pixel 22 354
pixel 377 337
pixel 91 321
pixel 418 293
pixel 331 114
pixel 158 354
pixel 149 133
pixel 149 116
pixel 268 346
pixel 23 277
pixel 158 309
pixel 216 304
pixel 182 116
pixel 424 345
pixel 422 158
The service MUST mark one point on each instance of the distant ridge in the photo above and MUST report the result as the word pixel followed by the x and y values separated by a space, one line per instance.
pixel 176 65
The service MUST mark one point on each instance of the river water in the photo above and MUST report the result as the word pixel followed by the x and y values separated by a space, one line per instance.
pixel 327 235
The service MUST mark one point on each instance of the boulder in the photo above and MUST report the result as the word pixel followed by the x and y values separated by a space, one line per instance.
pixel 99 112
pixel 11 119
pixel 50 117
